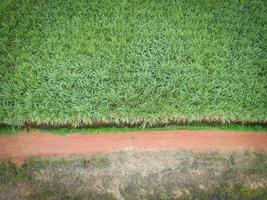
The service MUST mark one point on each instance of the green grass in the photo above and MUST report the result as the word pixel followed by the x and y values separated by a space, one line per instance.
pixel 143 63
pixel 64 131
pixel 235 193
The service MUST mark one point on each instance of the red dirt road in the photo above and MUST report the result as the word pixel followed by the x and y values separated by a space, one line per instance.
pixel 19 147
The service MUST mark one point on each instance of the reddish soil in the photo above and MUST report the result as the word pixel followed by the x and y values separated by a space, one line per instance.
pixel 19 147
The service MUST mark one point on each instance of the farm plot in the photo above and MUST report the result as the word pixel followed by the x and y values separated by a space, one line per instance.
pixel 132 62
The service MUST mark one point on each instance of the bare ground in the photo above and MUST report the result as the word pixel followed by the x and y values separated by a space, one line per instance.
pixel 21 146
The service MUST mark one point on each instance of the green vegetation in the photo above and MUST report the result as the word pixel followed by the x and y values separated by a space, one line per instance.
pixel 235 193
pixel 142 63
pixel 139 175
pixel 64 131
pixel 100 161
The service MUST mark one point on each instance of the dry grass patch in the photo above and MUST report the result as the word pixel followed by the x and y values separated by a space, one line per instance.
pixel 139 175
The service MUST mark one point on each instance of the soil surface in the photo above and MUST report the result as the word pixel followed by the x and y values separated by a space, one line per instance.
pixel 21 146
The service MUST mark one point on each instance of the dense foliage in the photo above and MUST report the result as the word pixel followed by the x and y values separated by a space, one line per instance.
pixel 139 62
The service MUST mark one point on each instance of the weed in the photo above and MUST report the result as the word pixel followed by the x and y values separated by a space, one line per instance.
pixel 99 161
pixel 225 193
pixel 138 175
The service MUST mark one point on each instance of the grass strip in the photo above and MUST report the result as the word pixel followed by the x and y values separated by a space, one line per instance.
pixel 64 131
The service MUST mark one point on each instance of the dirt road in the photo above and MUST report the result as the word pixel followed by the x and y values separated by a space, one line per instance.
pixel 18 147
